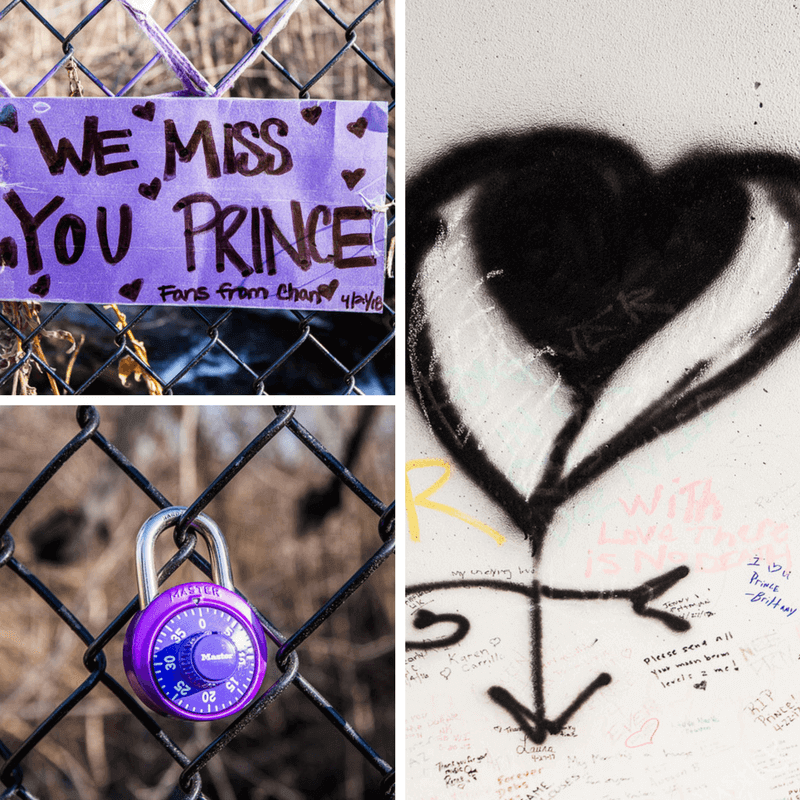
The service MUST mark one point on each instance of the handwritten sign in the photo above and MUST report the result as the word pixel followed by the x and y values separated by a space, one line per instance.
pixel 269 203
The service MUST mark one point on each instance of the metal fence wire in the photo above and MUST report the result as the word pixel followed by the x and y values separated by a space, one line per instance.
pixel 331 53
pixel 287 648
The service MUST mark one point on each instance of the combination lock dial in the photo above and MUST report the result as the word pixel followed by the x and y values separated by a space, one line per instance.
pixel 197 650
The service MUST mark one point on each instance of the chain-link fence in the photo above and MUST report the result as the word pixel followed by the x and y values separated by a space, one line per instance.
pixel 64 733
pixel 72 47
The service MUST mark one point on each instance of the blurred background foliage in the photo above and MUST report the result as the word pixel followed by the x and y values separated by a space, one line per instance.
pixel 114 49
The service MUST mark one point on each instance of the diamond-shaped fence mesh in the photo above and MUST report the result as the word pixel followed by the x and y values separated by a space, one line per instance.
pixel 306 537
pixel 341 52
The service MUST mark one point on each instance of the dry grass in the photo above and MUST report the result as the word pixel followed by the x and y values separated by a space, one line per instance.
pixel 99 750
pixel 114 49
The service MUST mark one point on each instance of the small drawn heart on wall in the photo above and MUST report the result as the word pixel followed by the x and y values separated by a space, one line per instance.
pixel 582 269
pixel 644 735
pixel 146 112
pixel 150 190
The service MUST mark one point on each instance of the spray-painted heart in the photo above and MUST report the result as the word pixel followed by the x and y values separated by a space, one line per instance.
pixel 549 272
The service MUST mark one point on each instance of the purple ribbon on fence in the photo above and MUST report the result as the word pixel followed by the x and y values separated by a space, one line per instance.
pixel 194 82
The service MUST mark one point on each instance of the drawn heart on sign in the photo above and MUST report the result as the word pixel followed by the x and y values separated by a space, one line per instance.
pixel 359 127
pixel 351 178
pixel 8 252
pixel 311 115
pixel 150 190
pixel 146 112
pixel 327 290
pixel 494 642
pixel 701 685
pixel 130 291
pixel 41 287
pixel 644 735
pixel 566 270
pixel 8 117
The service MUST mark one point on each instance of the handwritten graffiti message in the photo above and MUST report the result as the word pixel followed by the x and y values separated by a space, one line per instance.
pixel 765 585
pixel 203 201
pixel 689 527
pixel 775 713
pixel 695 662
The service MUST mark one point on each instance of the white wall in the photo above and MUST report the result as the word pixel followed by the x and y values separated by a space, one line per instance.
pixel 667 78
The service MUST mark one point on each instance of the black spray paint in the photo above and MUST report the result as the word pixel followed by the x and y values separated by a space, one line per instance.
pixel 591 252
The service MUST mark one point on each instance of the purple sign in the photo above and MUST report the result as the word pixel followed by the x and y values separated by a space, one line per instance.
pixel 268 203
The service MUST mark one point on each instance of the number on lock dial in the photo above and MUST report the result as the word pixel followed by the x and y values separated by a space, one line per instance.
pixel 203 660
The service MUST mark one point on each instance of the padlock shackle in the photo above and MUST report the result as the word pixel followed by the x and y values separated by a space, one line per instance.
pixel 146 573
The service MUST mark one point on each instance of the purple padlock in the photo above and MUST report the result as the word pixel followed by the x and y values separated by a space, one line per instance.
pixel 196 651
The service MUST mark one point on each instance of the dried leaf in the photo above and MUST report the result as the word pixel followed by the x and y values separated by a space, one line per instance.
pixel 24 316
pixel 129 366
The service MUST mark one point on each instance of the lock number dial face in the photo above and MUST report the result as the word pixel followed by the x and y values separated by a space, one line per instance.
pixel 203 660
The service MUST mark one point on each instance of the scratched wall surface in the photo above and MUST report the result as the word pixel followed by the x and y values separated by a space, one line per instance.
pixel 603 563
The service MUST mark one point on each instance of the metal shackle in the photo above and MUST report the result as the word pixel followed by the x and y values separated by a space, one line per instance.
pixel 146 573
